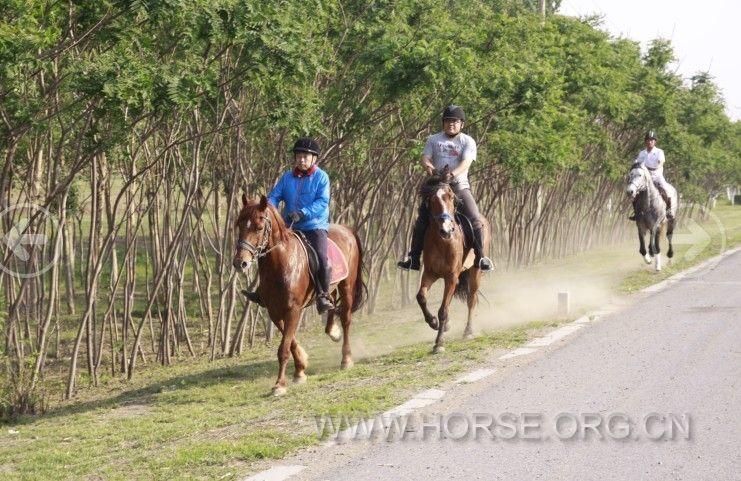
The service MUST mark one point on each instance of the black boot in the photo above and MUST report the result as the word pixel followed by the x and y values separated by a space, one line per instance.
pixel 418 240
pixel 481 261
pixel 253 297
pixel 323 302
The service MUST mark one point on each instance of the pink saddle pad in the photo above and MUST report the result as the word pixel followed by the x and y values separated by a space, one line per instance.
pixel 337 261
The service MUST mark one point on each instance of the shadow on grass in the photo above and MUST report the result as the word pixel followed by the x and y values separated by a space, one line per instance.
pixel 258 369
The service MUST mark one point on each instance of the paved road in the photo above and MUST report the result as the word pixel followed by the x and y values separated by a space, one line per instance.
pixel 676 351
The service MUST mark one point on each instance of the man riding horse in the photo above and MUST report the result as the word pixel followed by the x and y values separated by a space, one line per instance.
pixel 305 192
pixel 457 150
pixel 653 158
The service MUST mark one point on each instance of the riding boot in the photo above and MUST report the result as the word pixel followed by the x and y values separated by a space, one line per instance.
pixel 254 297
pixel 323 302
pixel 412 261
pixel 480 260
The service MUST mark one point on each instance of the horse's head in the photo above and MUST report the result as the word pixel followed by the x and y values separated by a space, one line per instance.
pixel 638 179
pixel 440 199
pixel 254 228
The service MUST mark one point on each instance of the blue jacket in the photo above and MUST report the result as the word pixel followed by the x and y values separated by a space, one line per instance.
pixel 308 194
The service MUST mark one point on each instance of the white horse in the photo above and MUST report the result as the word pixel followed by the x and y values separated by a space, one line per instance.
pixel 650 212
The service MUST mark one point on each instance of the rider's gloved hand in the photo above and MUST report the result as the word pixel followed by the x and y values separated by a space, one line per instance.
pixel 295 216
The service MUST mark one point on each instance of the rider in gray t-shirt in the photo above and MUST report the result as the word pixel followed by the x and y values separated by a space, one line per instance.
pixel 457 150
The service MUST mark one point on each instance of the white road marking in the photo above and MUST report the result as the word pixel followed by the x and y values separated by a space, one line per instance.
pixel 277 473
pixel 474 376
pixel 520 351
pixel 554 336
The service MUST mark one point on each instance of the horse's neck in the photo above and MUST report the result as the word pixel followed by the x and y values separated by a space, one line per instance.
pixel 653 195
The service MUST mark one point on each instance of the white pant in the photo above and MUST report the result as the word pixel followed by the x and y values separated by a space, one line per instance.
pixel 659 181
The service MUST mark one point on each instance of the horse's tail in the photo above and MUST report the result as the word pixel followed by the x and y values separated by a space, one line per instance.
pixel 360 294
pixel 461 290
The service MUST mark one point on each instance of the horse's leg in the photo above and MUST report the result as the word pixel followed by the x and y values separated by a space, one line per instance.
pixel 642 240
pixel 669 234
pixel 656 234
pixel 345 312
pixel 451 281
pixel 300 362
pixel 427 280
pixel 332 329
pixel 474 281
pixel 284 350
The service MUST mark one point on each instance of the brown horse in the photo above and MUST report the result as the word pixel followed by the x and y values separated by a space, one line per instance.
pixel 285 284
pixel 446 257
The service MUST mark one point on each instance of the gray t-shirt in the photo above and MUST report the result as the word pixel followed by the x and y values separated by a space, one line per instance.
pixel 451 152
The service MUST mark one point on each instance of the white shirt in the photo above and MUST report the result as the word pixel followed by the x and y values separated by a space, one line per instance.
pixel 652 159
pixel 451 151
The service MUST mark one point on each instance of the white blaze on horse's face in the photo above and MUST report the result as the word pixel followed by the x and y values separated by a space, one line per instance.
pixel 445 218
pixel 249 240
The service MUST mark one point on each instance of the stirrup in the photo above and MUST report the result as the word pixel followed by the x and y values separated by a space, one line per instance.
pixel 409 263
pixel 323 303
pixel 485 264
pixel 253 297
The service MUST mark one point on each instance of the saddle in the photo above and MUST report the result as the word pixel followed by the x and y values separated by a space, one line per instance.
pixel 335 257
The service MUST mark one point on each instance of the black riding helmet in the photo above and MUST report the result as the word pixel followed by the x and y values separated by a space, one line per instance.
pixel 307 144
pixel 650 135
pixel 454 112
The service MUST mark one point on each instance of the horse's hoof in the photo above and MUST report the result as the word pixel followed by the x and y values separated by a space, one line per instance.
pixel 335 333
pixel 468 336
pixel 647 259
pixel 279 391
pixel 301 379
pixel 347 364
pixel 432 322
pixel 438 349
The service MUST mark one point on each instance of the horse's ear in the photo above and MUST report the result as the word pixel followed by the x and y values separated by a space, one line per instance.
pixel 446 169
pixel 263 202
pixel 244 199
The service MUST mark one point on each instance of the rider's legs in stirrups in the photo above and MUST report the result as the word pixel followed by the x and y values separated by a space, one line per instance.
pixel 412 261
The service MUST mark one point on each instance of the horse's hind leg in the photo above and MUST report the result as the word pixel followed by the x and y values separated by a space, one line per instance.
pixel 669 235
pixel 332 329
pixel 427 281
pixel 345 309
pixel 300 362
pixel 656 234
pixel 474 280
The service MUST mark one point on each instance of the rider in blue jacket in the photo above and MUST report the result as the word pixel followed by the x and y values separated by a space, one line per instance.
pixel 304 191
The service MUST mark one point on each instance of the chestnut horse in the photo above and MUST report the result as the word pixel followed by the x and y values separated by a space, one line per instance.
pixel 285 284
pixel 446 257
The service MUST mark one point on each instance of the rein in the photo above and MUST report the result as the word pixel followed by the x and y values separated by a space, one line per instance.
pixel 259 250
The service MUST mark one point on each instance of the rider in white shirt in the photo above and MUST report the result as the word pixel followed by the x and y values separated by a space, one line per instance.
pixel 653 158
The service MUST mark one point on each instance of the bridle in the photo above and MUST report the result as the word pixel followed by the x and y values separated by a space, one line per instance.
pixel 259 250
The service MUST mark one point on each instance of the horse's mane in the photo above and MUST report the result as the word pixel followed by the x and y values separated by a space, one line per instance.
pixel 432 184
pixel 279 225
pixel 636 165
